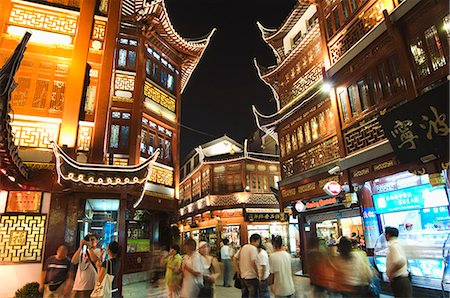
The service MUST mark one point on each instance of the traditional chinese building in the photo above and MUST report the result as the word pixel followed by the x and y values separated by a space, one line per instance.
pixel 102 80
pixel 386 63
pixel 227 191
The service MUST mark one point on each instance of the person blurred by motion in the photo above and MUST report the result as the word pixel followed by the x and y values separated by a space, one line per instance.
pixel 396 265
pixel 353 270
pixel 318 268
pixel 226 253
pixel 268 245
pixel 173 262
pixel 191 268
pixel 262 264
pixel 210 271
pixel 110 266
pixel 281 271
pixel 86 275
pixel 56 277
pixel 245 262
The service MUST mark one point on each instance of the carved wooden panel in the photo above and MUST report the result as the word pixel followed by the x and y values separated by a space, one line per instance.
pixel 363 134
pixel 21 238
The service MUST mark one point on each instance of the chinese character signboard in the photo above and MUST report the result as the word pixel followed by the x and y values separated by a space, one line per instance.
pixel 412 198
pixel 419 129
pixel 24 201
pixel 250 216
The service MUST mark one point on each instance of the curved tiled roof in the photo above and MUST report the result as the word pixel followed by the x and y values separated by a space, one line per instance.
pixel 10 163
pixel 153 17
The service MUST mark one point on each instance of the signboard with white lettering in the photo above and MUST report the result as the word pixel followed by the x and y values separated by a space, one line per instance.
pixel 371 229
pixel 412 198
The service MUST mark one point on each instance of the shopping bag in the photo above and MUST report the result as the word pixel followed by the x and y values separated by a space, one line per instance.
pixel 103 290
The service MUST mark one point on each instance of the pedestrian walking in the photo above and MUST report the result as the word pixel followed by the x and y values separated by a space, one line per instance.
pixel 396 265
pixel 86 260
pixel 110 266
pixel 226 253
pixel 191 269
pixel 56 277
pixel 262 264
pixel 281 271
pixel 246 269
pixel 353 271
pixel 173 262
pixel 210 271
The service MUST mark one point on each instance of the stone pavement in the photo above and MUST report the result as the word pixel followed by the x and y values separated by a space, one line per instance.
pixel 146 290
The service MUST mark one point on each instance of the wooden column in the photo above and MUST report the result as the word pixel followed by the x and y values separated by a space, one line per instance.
pixel 75 79
pixel 99 143
pixel 177 136
pixel 4 13
pixel 122 238
pixel 138 102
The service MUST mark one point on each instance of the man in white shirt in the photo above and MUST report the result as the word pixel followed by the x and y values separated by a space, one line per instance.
pixel 281 271
pixel 226 252
pixel 262 264
pixel 396 265
pixel 245 262
pixel 86 275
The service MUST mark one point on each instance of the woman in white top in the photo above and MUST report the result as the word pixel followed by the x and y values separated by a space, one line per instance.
pixel 192 270
pixel 211 271
pixel 86 272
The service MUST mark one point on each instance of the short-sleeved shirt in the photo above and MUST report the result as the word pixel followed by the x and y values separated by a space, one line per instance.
pixel 394 256
pixel 57 270
pixel 113 269
pixel 247 261
pixel 86 275
pixel 280 267
pixel 226 252
pixel 263 260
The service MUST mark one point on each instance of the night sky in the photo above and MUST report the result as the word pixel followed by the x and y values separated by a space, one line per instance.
pixel 225 84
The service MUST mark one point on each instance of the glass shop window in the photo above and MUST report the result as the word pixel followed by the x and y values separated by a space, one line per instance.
pixel 330 27
pixel 417 49
pixel 437 53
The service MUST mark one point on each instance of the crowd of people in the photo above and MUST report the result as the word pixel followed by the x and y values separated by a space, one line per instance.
pixel 79 276
pixel 262 267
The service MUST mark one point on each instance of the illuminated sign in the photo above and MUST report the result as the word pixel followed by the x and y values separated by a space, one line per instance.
pixel 24 201
pixel 266 216
pixel 332 188
pixel 320 203
pixel 412 198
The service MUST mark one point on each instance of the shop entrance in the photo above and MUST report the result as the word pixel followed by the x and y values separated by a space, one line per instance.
pixel 332 230
pixel 101 219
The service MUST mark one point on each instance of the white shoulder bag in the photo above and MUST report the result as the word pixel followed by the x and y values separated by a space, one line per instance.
pixel 103 290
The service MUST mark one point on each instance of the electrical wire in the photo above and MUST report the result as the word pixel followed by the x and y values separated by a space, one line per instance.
pixel 198 131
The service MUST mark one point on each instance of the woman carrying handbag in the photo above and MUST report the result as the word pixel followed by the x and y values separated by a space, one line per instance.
pixel 106 286
pixel 211 271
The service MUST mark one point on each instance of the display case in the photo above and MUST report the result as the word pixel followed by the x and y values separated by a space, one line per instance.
pixel 209 235
pixel 425 251
pixel 233 234
pixel 138 236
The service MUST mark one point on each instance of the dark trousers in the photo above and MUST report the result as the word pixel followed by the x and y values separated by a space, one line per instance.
pixel 250 288
pixel 401 287
pixel 226 272
pixel 264 291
